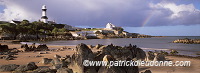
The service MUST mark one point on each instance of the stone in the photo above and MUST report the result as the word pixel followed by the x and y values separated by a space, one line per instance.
pixel 55 61
pixel 42 47
pixel 140 54
pixel 22 49
pixel 3 48
pixel 9 67
pixel 57 56
pixel 38 56
pixel 149 56
pixel 122 53
pixel 64 70
pixel 29 66
pixel 32 47
pixel 148 71
pixel 82 52
pixel 24 46
pixel 90 46
pixel 98 46
pixel 174 52
pixel 106 53
pixel 56 66
pixel 45 61
pixel 9 57
pixel 159 57
pixel 44 70
pixel 43 52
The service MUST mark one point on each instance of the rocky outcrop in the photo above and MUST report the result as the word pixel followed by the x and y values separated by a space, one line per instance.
pixel 25 48
pixel 74 63
pixel 98 46
pixel 64 70
pixel 122 53
pixel 10 67
pixel 8 56
pixel 82 52
pixel 159 57
pixel 155 56
pixel 44 70
pixel 106 53
pixel 187 41
pixel 29 66
pixel 173 52
pixel 42 47
pixel 149 56
pixel 46 61
pixel 117 69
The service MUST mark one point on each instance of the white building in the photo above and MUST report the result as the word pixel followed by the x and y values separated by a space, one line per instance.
pixel 84 34
pixel 110 26
pixel 105 31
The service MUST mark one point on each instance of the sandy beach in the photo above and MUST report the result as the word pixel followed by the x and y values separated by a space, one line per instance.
pixel 26 57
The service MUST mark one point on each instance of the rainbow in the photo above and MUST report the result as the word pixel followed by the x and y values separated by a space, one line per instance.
pixel 147 20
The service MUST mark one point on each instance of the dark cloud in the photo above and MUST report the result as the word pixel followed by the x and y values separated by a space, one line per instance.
pixel 129 13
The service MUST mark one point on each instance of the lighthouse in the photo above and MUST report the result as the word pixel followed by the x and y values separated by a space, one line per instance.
pixel 44 16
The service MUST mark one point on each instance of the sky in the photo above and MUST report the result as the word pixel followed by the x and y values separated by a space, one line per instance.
pixel 151 17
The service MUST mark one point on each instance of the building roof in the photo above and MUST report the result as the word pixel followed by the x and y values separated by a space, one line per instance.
pixel 15 22
pixel 110 26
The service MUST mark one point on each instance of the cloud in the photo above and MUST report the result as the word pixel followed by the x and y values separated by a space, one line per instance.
pixel 178 14
pixel 129 13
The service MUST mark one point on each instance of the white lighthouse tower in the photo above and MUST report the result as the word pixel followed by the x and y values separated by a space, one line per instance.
pixel 44 16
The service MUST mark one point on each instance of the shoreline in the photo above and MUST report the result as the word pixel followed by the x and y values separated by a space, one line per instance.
pixel 27 57
pixel 181 52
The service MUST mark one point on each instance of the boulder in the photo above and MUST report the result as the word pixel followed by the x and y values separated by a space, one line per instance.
pixel 38 56
pixel 140 54
pixel 45 61
pixel 117 69
pixel 44 70
pixel 9 57
pixel 56 66
pixel 148 71
pixel 29 66
pixel 98 46
pixel 107 69
pixel 122 53
pixel 3 48
pixel 32 47
pixel 22 49
pixel 149 56
pixel 159 57
pixel 64 70
pixel 24 46
pixel 82 52
pixel 90 46
pixel 55 61
pixel 174 52
pixel 42 47
pixel 10 67
pixel 57 56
